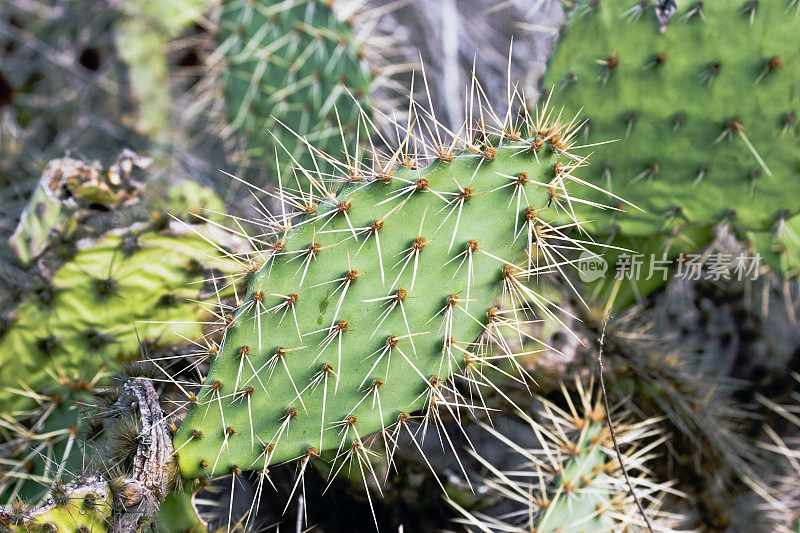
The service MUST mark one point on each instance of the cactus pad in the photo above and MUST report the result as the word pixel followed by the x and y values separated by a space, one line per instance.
pixel 704 113
pixel 570 479
pixel 370 306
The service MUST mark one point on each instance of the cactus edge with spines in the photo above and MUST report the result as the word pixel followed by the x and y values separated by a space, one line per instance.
pixel 372 305
pixel 39 444
pixel 126 483
pixel 130 290
pixel 93 300
pixel 703 117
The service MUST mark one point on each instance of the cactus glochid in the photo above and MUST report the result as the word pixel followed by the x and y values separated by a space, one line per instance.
pixel 381 296
pixel 703 114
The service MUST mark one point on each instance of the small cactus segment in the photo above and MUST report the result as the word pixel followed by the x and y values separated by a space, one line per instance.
pixel 292 63
pixel 41 220
pixel 117 291
pixel 780 246
pixel 369 307
pixel 71 509
pixel 704 113
pixel 570 479
pixel 143 37
pixel 68 184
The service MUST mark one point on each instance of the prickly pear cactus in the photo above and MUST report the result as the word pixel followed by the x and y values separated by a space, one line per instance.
pixel 290 64
pixel 570 479
pixel 703 107
pixel 67 186
pixel 81 507
pixel 372 305
pixel 41 221
pixel 130 285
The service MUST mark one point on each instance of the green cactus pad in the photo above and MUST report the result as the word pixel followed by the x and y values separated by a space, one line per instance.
pixel 117 291
pixel 704 114
pixel 780 246
pixel 288 62
pixel 365 310
pixel 86 507
pixel 582 508
pixel 41 220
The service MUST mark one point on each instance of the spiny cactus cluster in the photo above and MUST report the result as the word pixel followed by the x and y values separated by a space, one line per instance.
pixel 390 287
pixel 41 444
pixel 290 66
pixel 125 497
pixel 702 109
pixel 696 402
pixel 571 478
pixel 74 327
pixel 118 295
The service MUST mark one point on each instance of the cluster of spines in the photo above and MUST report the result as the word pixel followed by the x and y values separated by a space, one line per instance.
pixel 286 380
pixel 571 479
pixel 41 444
pixel 697 403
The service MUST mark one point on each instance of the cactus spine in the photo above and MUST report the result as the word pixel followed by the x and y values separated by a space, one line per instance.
pixel 783 497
